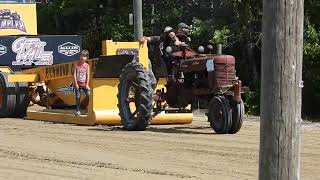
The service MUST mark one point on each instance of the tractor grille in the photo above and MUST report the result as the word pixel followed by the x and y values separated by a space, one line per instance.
pixel 224 71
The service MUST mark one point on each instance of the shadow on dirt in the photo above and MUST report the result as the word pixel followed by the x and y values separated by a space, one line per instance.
pixel 169 130
pixel 180 130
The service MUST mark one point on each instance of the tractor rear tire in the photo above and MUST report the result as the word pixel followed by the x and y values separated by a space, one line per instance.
pixel 7 96
pixel 237 117
pixel 219 114
pixel 135 77
pixel 152 79
pixel 151 75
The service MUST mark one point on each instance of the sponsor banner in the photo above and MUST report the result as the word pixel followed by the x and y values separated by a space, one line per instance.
pixel 18 19
pixel 69 49
pixel 30 51
pixel 3 50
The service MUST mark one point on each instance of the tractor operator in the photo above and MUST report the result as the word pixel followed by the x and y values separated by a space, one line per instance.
pixel 169 38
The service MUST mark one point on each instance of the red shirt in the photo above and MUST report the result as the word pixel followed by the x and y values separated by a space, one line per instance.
pixel 81 73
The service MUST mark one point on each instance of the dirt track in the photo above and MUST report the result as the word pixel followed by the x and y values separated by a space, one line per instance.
pixel 42 150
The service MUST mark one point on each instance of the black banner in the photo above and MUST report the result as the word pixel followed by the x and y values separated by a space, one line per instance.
pixel 31 51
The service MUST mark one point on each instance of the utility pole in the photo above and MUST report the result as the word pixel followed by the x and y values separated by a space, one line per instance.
pixel 138 28
pixel 282 51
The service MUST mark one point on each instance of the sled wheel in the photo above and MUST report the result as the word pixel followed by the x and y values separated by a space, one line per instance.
pixel 7 96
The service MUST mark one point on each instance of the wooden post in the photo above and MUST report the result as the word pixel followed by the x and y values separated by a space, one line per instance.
pixel 282 48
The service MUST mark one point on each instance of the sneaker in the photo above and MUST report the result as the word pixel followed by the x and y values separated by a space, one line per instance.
pixel 77 113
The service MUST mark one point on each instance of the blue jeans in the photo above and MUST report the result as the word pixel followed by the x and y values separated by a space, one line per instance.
pixel 77 92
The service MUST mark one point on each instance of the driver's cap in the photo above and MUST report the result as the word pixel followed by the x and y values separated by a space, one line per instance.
pixel 184 27
pixel 167 29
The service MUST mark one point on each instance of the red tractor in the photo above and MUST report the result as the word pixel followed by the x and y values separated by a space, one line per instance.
pixel 206 81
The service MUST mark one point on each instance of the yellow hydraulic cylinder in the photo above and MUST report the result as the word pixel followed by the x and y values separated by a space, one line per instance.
pixel 173 118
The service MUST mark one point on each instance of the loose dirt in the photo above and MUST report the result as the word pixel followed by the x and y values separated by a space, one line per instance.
pixel 43 150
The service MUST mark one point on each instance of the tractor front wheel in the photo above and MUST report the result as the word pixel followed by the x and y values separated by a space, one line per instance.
pixel 219 114
pixel 237 117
